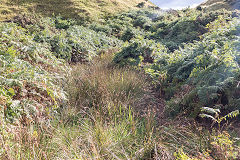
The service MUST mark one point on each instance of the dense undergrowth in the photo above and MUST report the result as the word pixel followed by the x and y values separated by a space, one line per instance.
pixel 195 55
pixel 93 91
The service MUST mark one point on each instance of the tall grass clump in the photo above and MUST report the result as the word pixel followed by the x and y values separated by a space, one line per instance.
pixel 103 114
pixel 102 83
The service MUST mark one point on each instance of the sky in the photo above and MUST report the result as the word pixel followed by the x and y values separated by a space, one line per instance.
pixel 176 4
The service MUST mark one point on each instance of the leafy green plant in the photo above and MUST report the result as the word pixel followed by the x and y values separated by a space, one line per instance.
pixel 201 65
pixel 214 115
pixel 223 147
pixel 22 79
pixel 139 50
pixel 180 155
pixel 61 23
pixel 29 89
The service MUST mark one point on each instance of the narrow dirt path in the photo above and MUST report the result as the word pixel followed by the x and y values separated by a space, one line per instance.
pixel 152 104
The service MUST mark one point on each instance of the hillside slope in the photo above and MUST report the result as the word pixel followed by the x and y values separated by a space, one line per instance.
pixel 141 84
pixel 68 8
pixel 218 4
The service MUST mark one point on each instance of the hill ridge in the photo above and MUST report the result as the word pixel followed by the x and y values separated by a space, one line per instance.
pixel 81 9
pixel 219 4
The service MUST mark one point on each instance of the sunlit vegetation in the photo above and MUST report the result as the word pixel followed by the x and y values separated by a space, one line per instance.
pixel 82 10
pixel 141 84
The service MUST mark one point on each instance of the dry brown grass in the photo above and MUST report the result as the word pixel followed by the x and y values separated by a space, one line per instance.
pixel 83 9
pixel 102 101
pixel 102 84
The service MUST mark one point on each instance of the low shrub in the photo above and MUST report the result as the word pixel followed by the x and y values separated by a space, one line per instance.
pixel 139 50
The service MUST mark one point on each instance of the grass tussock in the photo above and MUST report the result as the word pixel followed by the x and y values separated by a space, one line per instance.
pixel 107 126
pixel 101 84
